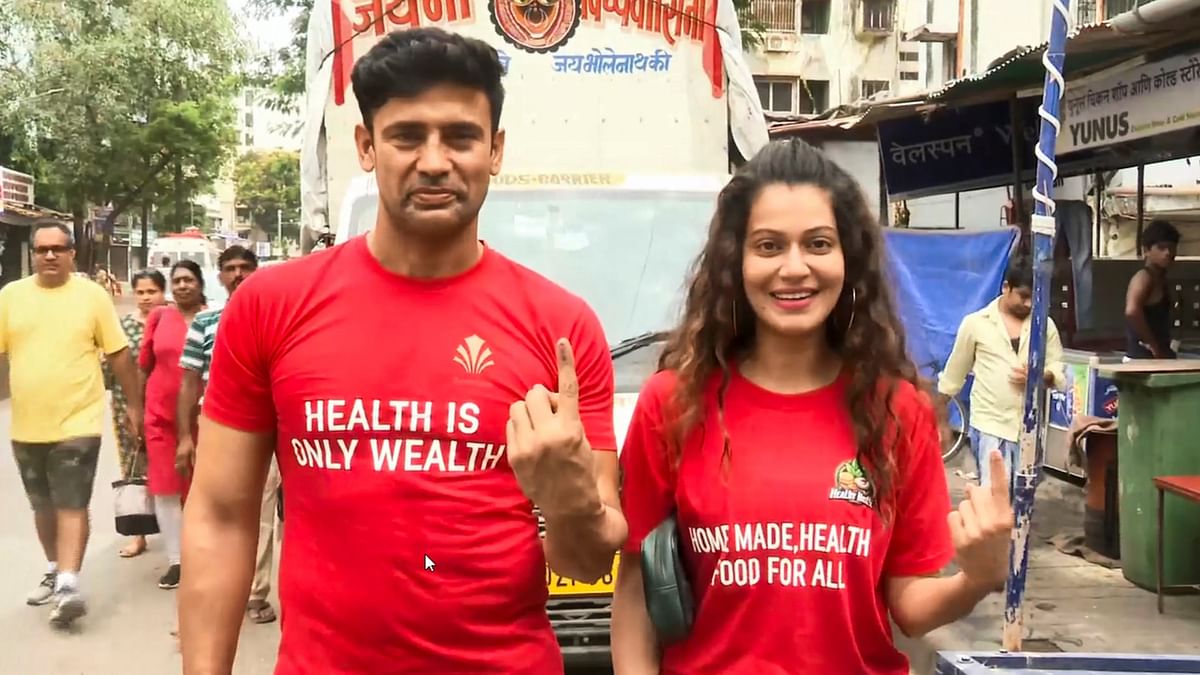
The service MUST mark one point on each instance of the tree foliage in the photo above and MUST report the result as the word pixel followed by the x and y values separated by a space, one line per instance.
pixel 268 182
pixel 281 73
pixel 141 109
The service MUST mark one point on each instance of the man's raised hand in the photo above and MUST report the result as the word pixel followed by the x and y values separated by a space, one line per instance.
pixel 548 450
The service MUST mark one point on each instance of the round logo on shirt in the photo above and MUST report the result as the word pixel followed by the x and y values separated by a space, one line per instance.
pixel 850 483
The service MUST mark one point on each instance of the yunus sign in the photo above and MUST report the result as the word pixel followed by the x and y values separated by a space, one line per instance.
pixel 1151 99
pixel 16 186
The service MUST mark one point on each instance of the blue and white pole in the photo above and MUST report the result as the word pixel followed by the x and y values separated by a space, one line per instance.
pixel 1028 469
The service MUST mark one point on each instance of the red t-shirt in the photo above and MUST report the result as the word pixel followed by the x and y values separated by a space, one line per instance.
pixel 786 555
pixel 390 398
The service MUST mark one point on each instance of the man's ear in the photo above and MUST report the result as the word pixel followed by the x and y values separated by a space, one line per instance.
pixel 365 147
pixel 497 151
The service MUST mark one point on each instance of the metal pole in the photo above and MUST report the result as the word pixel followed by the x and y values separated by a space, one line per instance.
pixel 1141 210
pixel 1028 470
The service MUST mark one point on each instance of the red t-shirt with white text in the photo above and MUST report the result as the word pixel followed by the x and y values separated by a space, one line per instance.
pixel 390 398
pixel 786 554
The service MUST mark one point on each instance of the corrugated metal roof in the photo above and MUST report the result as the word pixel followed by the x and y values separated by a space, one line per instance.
pixel 1014 56
pixel 1090 48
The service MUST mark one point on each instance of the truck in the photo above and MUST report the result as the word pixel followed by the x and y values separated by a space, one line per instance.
pixel 624 119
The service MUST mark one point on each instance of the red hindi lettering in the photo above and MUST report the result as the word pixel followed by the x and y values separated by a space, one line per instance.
pixel 589 10
pixel 404 13
pixel 671 13
pixel 369 14
pixel 696 17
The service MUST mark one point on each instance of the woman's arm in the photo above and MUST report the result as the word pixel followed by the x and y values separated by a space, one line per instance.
pixel 634 646
pixel 921 604
pixel 980 529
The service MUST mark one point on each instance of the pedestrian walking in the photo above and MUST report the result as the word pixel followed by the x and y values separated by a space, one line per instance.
pixel 993 344
pixel 422 394
pixel 162 346
pixel 235 265
pixel 50 326
pixel 149 289
pixel 787 436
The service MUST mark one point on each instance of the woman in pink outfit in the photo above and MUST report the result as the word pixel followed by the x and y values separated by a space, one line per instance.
pixel 162 345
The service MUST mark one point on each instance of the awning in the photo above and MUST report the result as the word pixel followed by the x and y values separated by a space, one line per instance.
pixel 1090 49
pixel 24 215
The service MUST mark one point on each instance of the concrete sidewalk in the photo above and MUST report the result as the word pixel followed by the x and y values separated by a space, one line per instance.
pixel 1071 605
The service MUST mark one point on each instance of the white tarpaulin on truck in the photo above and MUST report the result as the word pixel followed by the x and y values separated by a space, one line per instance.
pixel 631 86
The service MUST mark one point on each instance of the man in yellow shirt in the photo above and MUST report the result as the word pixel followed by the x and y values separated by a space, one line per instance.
pixel 50 327
pixel 993 343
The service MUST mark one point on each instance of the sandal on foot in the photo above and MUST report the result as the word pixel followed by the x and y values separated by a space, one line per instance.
pixel 133 550
pixel 260 611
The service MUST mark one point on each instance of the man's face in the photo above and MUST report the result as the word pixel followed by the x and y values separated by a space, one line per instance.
pixel 234 272
pixel 1161 255
pixel 433 156
pixel 53 255
pixel 1018 301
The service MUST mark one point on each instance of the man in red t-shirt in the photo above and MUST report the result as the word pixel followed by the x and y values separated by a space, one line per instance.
pixel 421 394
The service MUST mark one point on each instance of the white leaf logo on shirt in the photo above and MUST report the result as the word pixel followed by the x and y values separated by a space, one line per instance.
pixel 474 355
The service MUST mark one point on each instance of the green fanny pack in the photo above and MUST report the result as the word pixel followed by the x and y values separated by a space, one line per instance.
pixel 665 583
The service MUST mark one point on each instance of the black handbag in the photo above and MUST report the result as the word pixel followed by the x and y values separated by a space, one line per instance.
pixel 132 504
pixel 664 580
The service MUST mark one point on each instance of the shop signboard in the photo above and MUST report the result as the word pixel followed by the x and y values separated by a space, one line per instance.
pixel 1151 99
pixel 15 187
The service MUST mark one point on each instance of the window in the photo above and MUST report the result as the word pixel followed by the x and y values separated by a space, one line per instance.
pixel 910 56
pixel 814 96
pixel 248 139
pixel 777 96
pixel 1085 11
pixel 772 15
pixel 878 15
pixel 1115 7
pixel 249 98
pixel 910 76
pixel 872 87
pixel 249 120
pixel 793 95
pixel 814 16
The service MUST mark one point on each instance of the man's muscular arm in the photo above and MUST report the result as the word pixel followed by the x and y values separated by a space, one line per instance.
pixel 220 537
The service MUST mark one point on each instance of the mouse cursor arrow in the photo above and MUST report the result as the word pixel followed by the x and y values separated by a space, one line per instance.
pixel 429 564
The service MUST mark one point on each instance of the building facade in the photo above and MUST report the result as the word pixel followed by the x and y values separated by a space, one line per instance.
pixel 819 54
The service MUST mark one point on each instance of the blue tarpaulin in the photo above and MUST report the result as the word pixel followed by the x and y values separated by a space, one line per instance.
pixel 938 278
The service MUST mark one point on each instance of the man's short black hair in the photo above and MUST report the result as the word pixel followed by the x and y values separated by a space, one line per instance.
pixel 234 252
pixel 52 224
pixel 1020 272
pixel 409 62
pixel 1159 232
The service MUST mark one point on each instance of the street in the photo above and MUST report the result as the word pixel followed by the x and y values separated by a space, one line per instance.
pixel 128 626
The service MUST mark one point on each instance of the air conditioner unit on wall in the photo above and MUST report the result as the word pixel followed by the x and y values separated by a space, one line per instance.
pixel 776 43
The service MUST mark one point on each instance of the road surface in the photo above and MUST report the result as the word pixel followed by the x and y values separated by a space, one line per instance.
pixel 127 630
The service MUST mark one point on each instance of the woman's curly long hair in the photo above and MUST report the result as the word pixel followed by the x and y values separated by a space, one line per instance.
pixel 719 324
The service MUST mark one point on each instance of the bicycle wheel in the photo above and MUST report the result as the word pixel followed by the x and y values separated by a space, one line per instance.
pixel 957 439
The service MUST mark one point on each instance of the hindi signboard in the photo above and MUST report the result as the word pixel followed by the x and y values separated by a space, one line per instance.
pixel 954 149
pixel 16 187
pixel 1151 99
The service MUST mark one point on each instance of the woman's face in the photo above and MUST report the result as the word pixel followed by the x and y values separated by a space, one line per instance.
pixel 185 288
pixel 148 295
pixel 793 268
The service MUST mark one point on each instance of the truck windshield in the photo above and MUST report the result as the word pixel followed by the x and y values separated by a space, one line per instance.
pixel 626 252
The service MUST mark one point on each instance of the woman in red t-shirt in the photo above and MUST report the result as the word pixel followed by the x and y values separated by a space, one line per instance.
pixel 787 434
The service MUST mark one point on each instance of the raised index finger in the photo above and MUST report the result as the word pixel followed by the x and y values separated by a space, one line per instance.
pixel 568 382
pixel 999 478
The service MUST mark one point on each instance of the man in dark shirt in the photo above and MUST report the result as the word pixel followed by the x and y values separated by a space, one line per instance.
pixel 1148 298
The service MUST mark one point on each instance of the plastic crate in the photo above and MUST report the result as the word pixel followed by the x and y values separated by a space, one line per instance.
pixel 980 663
